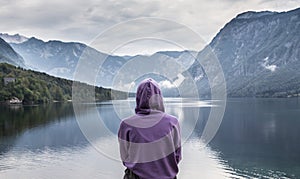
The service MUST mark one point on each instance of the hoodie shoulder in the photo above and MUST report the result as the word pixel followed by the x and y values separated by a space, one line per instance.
pixel 171 118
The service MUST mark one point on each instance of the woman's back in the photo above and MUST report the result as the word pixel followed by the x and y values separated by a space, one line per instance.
pixel 150 144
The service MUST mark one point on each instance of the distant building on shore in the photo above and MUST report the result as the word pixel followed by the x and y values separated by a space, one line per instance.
pixel 15 100
pixel 9 80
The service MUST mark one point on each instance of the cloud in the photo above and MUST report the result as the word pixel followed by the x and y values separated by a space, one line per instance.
pixel 166 84
pixel 76 20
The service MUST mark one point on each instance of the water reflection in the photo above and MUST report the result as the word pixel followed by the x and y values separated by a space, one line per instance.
pixel 16 118
pixel 262 135
pixel 37 127
pixel 86 162
pixel 257 139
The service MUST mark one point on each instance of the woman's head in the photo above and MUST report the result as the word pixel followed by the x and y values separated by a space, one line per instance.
pixel 148 97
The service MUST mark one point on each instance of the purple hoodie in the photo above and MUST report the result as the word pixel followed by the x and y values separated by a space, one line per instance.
pixel 150 141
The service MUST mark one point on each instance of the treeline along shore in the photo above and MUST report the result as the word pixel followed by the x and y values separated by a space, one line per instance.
pixel 22 86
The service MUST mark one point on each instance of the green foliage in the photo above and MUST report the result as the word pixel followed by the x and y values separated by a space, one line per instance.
pixel 35 87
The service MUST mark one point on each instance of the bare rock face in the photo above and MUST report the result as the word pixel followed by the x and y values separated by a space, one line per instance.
pixel 8 55
pixel 259 53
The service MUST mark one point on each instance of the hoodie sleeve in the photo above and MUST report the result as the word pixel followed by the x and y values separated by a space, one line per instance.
pixel 177 142
pixel 123 137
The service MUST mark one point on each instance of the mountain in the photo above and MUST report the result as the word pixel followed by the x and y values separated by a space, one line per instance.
pixel 259 53
pixel 61 58
pixel 16 38
pixel 163 66
pixel 8 55
pixel 184 58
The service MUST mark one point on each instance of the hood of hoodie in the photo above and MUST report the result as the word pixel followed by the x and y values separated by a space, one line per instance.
pixel 148 97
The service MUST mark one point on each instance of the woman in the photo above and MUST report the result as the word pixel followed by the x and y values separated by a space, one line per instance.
pixel 150 141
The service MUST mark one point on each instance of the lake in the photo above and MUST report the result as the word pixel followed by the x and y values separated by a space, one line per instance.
pixel 258 138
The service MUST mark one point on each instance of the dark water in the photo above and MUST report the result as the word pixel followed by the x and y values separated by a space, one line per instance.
pixel 261 137
pixel 258 138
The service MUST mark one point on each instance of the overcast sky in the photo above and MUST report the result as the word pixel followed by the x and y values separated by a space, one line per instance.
pixel 83 20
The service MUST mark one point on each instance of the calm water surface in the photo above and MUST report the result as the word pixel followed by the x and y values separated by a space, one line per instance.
pixel 258 138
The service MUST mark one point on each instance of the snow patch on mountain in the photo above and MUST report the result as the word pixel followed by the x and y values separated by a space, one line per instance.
pixel 266 65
